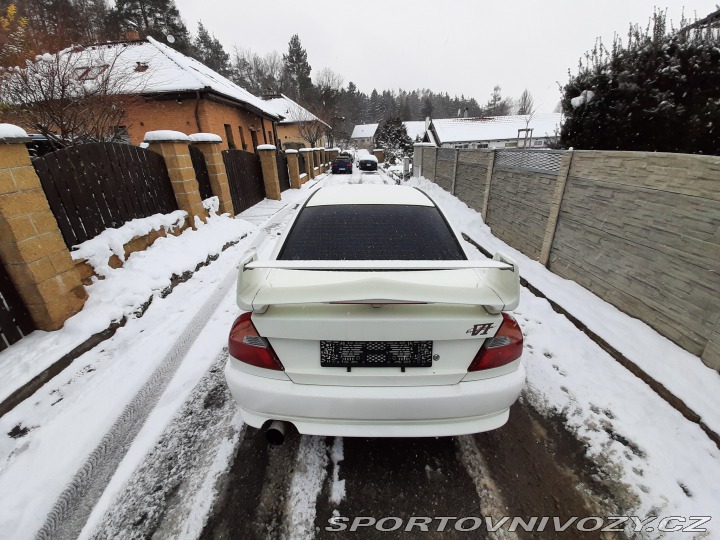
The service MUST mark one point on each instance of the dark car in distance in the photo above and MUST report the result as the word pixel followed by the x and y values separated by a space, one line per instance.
pixel 368 163
pixel 342 164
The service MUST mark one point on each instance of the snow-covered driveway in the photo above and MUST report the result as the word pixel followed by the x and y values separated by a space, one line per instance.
pixel 139 438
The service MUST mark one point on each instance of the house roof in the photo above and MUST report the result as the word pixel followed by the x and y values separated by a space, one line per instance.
pixel 415 129
pixel 165 70
pixel 493 128
pixel 291 111
pixel 364 130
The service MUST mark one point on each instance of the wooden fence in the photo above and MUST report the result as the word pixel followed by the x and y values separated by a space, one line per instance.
pixel 283 173
pixel 15 321
pixel 245 177
pixel 201 172
pixel 96 186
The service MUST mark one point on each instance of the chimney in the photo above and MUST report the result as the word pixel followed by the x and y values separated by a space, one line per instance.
pixel 131 35
pixel 466 112
pixel 458 113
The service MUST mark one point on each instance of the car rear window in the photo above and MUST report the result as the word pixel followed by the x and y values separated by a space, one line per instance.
pixel 371 232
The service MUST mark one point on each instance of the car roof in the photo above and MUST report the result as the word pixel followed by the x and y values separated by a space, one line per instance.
pixel 369 194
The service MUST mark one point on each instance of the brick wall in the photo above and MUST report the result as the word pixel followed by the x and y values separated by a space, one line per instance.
pixel 471 176
pixel 642 232
pixel 154 115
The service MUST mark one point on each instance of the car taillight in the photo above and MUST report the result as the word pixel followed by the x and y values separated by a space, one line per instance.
pixel 246 345
pixel 501 349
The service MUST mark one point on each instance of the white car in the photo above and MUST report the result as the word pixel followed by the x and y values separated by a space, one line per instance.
pixel 369 320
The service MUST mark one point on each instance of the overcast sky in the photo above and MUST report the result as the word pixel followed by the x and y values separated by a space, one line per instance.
pixel 455 46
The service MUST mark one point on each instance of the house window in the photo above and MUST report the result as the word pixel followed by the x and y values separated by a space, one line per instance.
pixel 242 137
pixel 229 137
pixel 539 143
pixel 482 145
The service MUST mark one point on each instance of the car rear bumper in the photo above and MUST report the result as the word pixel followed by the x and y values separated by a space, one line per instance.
pixel 367 411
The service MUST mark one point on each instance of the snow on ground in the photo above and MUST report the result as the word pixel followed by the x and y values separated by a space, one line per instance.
pixel 633 434
pixel 124 290
pixel 67 418
pixel 97 251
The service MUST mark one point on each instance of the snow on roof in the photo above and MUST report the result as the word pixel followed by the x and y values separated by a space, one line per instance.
pixel 291 111
pixel 363 131
pixel 494 128
pixel 415 129
pixel 150 67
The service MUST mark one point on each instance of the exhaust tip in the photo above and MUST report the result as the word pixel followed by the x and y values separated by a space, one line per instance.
pixel 275 433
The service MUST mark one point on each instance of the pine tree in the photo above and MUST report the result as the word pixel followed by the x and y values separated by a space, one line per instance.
pixel 496 105
pixel 393 138
pixel 210 52
pixel 157 18
pixel 297 83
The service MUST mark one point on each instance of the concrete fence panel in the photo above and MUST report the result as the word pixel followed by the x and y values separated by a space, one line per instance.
pixel 519 207
pixel 642 232
pixel 428 162
pixel 471 176
pixel 445 168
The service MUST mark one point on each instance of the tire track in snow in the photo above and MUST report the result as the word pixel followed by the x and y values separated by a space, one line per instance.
pixel 170 493
pixel 490 501
pixel 73 507
pixel 311 467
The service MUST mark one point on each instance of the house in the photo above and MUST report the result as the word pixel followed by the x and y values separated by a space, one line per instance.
pixel 178 93
pixel 363 136
pixel 516 131
pixel 298 124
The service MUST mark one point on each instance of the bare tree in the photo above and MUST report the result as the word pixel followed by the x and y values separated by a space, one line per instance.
pixel 75 96
pixel 526 104
pixel 309 126
pixel 258 74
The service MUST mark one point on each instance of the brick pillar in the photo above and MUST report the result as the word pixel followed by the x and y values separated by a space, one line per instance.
pixel 309 162
pixel 173 146
pixel 379 153
pixel 293 168
pixel 209 145
pixel 31 246
pixel 268 160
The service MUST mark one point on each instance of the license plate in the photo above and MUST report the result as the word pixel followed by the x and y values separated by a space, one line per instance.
pixel 375 354
pixel 341 169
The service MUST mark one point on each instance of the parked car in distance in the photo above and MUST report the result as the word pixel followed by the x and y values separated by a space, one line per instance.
pixel 367 163
pixel 39 145
pixel 368 319
pixel 342 164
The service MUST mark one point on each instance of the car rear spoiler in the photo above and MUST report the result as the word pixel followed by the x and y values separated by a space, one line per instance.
pixel 500 290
